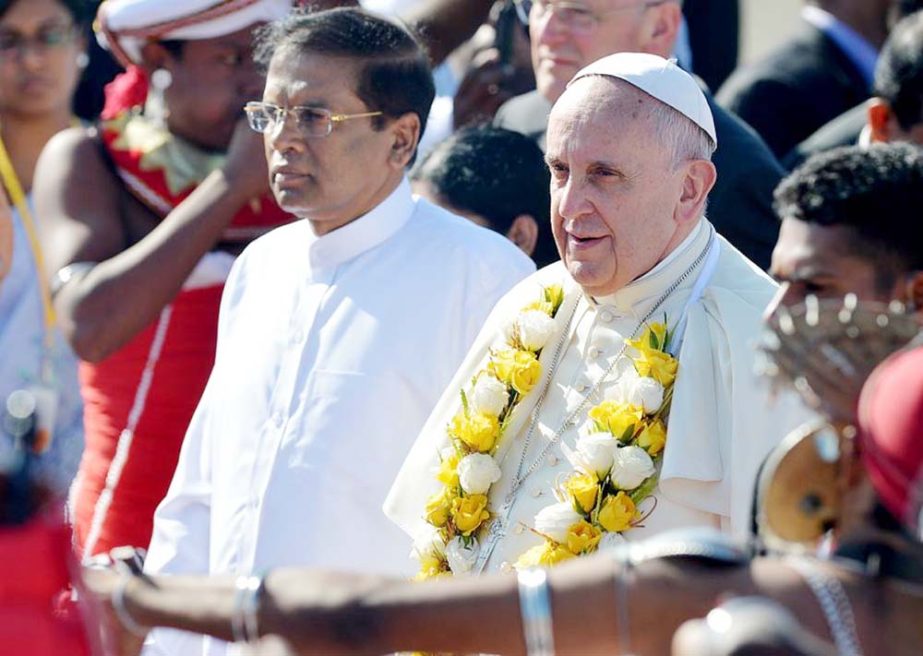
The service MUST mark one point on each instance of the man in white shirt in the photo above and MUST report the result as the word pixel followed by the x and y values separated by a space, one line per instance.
pixel 629 146
pixel 336 333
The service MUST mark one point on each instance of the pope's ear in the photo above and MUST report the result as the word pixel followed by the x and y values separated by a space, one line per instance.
pixel 698 179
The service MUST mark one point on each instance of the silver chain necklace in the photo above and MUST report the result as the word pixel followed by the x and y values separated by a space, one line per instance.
pixel 497 526
pixel 533 419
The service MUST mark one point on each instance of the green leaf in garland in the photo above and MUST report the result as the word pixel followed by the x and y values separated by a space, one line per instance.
pixel 644 490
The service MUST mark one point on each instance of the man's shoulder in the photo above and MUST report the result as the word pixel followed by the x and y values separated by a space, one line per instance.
pixel 810 62
pixel 739 145
pixel 277 242
pixel 736 276
pixel 527 113
pixel 844 130
pixel 445 233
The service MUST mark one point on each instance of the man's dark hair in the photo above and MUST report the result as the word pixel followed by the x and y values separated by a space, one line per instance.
pixel 903 8
pixel 494 173
pixel 394 76
pixel 877 192
pixel 899 72
pixel 82 11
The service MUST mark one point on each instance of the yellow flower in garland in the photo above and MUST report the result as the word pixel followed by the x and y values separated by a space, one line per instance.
pixel 617 418
pixel 469 512
pixel 439 507
pixel 544 555
pixel 582 538
pixel 518 369
pixel 554 294
pixel 653 360
pixel 478 431
pixel 617 513
pixel 583 490
pixel 658 365
pixel 541 306
pixel 653 437
pixel 448 470
pixel 432 566
pixel 654 338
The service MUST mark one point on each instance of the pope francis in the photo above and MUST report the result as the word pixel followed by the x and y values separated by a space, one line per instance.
pixel 611 395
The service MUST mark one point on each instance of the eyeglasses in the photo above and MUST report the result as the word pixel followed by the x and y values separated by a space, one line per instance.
pixel 53 36
pixel 577 17
pixel 311 121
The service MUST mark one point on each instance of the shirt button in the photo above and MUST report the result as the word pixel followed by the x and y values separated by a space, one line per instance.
pixel 297 337
pixel 537 492
pixel 278 419
pixel 505 567
pixel 605 316
pixel 595 352
pixel 581 386
pixel 519 529
pixel 552 460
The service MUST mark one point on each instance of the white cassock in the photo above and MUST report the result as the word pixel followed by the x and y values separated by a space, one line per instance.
pixel 332 351
pixel 722 423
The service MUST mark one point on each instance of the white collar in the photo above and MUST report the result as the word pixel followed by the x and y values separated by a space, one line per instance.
pixel 655 281
pixel 365 233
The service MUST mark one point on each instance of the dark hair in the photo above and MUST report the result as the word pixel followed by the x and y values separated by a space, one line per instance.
pixel 394 75
pixel 496 174
pixel 82 11
pixel 875 191
pixel 899 73
pixel 903 8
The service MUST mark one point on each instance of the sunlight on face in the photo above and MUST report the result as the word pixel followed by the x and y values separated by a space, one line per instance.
pixel 613 185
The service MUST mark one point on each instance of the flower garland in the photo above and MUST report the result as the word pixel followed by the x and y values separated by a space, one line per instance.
pixel 616 461
pixel 467 468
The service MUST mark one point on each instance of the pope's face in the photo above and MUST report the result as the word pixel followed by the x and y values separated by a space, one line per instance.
pixel 812 259
pixel 614 189
pixel 559 49
pixel 334 179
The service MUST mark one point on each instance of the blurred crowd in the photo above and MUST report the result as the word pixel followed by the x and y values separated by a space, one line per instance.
pixel 267 267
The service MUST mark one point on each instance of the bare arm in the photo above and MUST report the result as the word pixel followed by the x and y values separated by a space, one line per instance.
pixel 446 24
pixel 77 198
pixel 328 613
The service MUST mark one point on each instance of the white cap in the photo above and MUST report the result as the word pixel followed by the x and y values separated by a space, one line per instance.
pixel 124 26
pixel 660 78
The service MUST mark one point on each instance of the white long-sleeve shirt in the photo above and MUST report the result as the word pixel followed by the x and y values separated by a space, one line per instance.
pixel 331 353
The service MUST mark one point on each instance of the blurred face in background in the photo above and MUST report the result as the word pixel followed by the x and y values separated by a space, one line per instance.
pixel 211 80
pixel 39 49
pixel 566 36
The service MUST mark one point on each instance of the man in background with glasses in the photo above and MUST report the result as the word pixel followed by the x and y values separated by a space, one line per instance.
pixel 567 36
pixel 338 332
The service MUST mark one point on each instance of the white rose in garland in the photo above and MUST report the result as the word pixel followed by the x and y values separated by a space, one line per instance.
pixel 535 329
pixel 593 455
pixel 477 473
pixel 554 521
pixel 461 557
pixel 488 396
pixel 631 467
pixel 429 541
pixel 640 391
